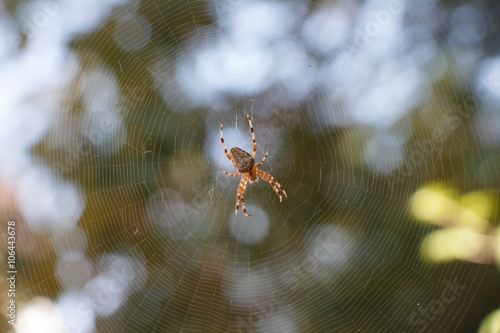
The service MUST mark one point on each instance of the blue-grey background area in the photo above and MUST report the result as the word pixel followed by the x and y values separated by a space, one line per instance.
pixel 383 122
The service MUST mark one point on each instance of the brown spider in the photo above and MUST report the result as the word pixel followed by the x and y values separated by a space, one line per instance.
pixel 244 163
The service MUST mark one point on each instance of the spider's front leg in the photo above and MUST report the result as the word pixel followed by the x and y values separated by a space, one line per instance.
pixel 240 194
pixel 273 182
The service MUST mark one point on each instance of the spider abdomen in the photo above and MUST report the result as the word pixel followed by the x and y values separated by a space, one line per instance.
pixel 242 161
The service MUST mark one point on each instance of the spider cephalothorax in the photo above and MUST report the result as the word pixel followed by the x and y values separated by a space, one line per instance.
pixel 244 163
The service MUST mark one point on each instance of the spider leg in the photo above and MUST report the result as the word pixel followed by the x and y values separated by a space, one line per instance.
pixel 253 137
pixel 243 200
pixel 223 144
pixel 277 191
pixel 274 183
pixel 230 174
pixel 265 156
pixel 239 196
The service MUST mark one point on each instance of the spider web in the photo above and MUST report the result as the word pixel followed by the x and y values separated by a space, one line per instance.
pixel 375 113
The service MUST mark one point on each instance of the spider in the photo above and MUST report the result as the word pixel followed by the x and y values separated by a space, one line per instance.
pixel 244 163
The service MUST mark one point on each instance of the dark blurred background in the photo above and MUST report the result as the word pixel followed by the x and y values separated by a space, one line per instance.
pixel 383 122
